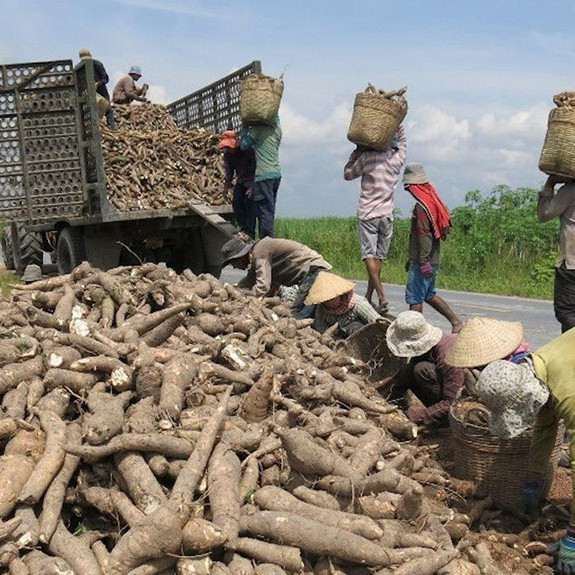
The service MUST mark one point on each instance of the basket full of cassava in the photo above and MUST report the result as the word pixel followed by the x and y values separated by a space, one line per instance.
pixel 376 117
pixel 260 98
pixel 498 466
pixel 558 154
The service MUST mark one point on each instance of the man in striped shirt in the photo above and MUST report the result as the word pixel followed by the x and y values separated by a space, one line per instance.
pixel 379 173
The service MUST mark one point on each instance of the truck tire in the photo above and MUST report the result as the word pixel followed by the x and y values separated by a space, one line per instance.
pixel 70 250
pixel 189 254
pixel 7 253
pixel 29 248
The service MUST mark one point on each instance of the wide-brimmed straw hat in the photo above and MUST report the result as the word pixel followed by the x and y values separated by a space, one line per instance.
pixel 483 340
pixel 327 286
pixel 513 394
pixel 229 140
pixel 409 335
pixel 414 174
pixel 235 249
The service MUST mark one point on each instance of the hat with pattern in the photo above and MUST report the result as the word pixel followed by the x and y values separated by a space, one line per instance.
pixel 513 394
pixel 409 335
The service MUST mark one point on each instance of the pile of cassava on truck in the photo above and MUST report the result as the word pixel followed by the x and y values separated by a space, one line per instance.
pixel 54 191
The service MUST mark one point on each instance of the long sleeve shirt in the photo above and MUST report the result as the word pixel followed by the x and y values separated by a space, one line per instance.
pixel 240 163
pixel 379 173
pixel 423 245
pixel 561 205
pixel 276 262
pixel 102 78
pixel 554 364
pixel 450 378
pixel 126 90
pixel 265 141
pixel 362 311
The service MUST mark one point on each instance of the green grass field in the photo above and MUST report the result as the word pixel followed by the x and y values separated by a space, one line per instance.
pixel 462 266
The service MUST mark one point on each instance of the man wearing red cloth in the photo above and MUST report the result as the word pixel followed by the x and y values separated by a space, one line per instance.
pixel 430 224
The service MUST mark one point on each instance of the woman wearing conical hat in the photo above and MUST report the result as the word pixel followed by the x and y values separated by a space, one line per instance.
pixel 337 303
pixel 483 340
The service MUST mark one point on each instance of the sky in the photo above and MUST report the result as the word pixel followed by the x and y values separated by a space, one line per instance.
pixel 481 75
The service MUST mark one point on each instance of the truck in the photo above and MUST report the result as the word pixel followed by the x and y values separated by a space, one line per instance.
pixel 53 195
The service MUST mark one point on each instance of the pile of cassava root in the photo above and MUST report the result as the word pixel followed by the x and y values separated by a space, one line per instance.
pixel 151 163
pixel 156 423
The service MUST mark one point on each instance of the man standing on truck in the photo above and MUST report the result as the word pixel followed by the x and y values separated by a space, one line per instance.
pixel 273 262
pixel 379 173
pixel 265 140
pixel 562 205
pixel 126 91
pixel 102 78
pixel 242 163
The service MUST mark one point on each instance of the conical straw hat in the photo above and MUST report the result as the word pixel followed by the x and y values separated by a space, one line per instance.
pixel 483 340
pixel 327 286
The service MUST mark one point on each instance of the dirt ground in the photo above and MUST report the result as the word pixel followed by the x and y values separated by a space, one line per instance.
pixel 508 533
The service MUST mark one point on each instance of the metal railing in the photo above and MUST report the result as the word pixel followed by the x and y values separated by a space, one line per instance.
pixel 215 107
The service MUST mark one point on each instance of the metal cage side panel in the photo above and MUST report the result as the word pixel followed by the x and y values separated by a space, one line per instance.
pixel 215 107
pixel 41 177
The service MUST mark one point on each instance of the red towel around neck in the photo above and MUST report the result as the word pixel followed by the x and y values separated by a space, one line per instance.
pixel 429 199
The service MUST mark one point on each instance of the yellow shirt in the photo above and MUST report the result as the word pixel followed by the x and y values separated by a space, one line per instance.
pixel 554 364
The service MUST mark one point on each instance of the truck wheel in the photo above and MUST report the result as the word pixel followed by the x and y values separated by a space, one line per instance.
pixel 70 250
pixel 29 248
pixel 189 254
pixel 7 253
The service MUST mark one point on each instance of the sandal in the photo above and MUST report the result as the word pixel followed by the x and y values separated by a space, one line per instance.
pixel 382 308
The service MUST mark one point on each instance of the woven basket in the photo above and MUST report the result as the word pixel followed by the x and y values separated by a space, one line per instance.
pixel 102 105
pixel 375 120
pixel 260 98
pixel 558 154
pixel 499 466
pixel 368 344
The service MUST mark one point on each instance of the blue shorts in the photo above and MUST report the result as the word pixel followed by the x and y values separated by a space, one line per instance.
pixel 419 288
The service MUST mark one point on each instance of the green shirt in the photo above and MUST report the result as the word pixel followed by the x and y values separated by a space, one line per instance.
pixel 554 364
pixel 265 141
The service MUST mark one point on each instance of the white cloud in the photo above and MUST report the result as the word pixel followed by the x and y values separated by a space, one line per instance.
pixel 299 129
pixel 432 125
pixel 515 158
pixel 530 122
pixel 556 43
pixel 460 152
pixel 441 136
pixel 186 7
pixel 158 94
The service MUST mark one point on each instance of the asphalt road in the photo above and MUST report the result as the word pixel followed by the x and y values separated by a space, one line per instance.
pixel 537 316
